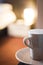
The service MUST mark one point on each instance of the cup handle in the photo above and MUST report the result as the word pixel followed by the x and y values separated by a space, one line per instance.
pixel 28 42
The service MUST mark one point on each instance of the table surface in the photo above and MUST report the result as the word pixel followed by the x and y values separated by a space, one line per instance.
pixel 8 47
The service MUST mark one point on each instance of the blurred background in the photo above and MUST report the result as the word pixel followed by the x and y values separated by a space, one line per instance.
pixel 18 16
pixel 19 6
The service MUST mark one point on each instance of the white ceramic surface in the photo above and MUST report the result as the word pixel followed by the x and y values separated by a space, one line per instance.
pixel 35 31
pixel 17 30
pixel 23 55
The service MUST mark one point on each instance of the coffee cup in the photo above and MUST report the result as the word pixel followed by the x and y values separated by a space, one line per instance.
pixel 34 41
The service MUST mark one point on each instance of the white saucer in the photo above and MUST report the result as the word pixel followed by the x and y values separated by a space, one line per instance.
pixel 23 55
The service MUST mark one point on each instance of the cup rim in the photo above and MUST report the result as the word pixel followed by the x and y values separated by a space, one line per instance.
pixel 35 31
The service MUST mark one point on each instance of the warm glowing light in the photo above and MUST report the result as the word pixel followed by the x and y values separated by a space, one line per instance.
pixel 7 16
pixel 5 7
pixel 20 21
pixel 29 15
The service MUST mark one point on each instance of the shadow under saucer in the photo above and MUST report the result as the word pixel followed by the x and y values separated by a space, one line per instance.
pixel 20 63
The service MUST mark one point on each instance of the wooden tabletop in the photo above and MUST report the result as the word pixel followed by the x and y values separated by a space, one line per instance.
pixel 9 46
